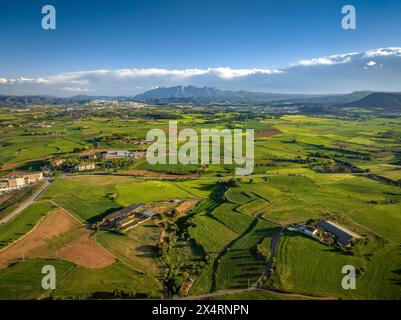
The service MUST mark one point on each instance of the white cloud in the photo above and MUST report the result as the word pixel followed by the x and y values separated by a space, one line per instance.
pixel 133 80
pixel 155 72
pixel 383 52
pixel 316 61
pixel 330 60
pixel 221 72
pixel 22 80
pixel 228 73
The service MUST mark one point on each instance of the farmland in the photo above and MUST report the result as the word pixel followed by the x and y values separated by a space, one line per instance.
pixel 307 169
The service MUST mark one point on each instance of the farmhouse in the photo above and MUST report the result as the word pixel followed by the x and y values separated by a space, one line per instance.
pixel 85 167
pixel 305 229
pixel 118 154
pixel 33 177
pixel 127 218
pixel 126 222
pixel 134 220
pixel 342 234
pixel 125 212
pixel 18 180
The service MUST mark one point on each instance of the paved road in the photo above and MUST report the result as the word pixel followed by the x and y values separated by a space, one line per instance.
pixel 25 204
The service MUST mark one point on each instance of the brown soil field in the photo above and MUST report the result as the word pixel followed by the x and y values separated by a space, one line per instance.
pixel 267 133
pixel 186 206
pixel 58 236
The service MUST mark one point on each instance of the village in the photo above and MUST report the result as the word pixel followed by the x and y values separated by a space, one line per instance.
pixel 87 161
pixel 90 160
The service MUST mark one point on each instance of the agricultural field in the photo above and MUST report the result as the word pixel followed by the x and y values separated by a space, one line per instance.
pixel 232 241
pixel 24 223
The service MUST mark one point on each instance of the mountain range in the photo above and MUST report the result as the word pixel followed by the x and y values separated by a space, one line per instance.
pixel 190 93
pixel 389 101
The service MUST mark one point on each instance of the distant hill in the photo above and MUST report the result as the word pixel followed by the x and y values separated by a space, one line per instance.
pixel 209 95
pixel 380 100
pixel 192 94
pixel 21 101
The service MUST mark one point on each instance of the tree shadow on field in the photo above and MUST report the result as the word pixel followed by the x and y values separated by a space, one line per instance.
pixel 396 281
pixel 145 251
pixel 102 215
pixel 398 271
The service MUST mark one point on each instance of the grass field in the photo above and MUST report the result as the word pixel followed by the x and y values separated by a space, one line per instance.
pixel 236 221
pixel 149 191
pixel 211 234
pixel 306 266
pixel 241 263
pixel 24 222
pixel 139 254
pixel 301 156
pixel 253 207
pixel 86 201
pixel 23 281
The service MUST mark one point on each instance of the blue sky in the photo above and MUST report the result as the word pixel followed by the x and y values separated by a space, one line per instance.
pixel 183 34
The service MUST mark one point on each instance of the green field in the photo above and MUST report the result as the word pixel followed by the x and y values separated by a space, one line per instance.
pixel 241 265
pixel 140 255
pixel 236 221
pixel 324 167
pixel 211 234
pixel 148 192
pixel 23 281
pixel 308 267
pixel 23 222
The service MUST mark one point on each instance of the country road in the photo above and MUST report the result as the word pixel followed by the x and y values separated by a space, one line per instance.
pixel 25 204
pixel 275 239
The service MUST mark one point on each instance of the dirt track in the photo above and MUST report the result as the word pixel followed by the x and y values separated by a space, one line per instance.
pixel 58 236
